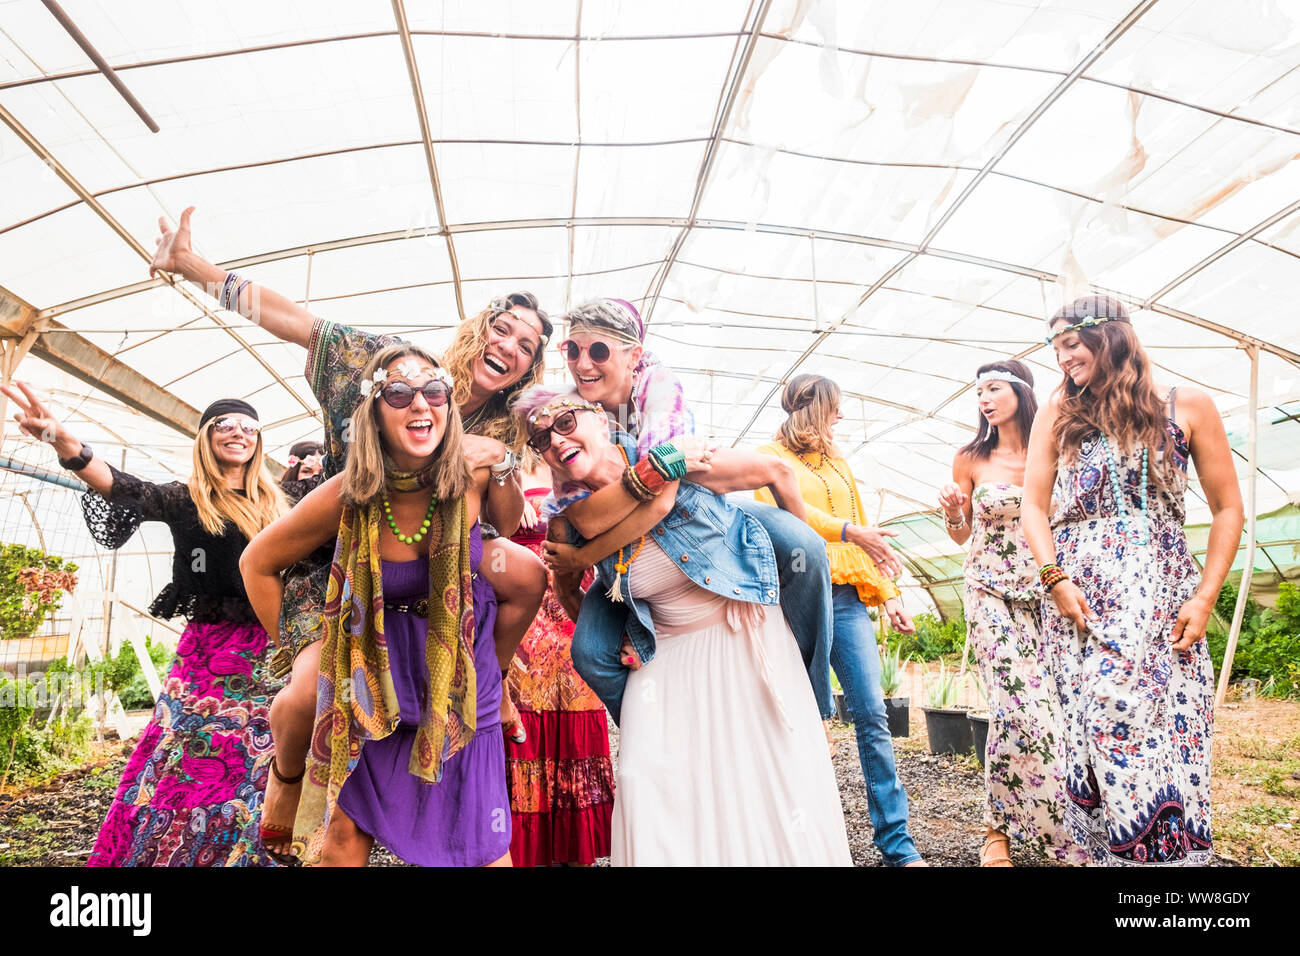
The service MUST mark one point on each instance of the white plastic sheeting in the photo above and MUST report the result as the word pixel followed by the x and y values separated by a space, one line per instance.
pixel 888 192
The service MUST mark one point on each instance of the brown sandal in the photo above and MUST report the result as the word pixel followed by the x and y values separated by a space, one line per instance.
pixel 996 840
pixel 278 834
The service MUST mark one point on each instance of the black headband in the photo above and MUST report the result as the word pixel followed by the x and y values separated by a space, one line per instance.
pixel 227 406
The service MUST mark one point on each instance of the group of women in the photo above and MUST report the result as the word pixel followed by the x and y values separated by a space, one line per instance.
pixel 416 651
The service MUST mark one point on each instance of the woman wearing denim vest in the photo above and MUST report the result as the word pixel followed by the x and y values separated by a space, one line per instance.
pixel 697 591
pixel 858 554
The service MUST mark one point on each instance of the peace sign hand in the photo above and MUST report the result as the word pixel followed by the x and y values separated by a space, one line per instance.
pixel 33 417
pixel 173 245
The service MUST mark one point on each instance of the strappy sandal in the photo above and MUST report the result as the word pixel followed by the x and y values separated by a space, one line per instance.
pixel 280 834
pixel 996 840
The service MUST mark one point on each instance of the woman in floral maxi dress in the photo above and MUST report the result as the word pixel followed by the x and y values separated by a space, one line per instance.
pixel 1126 623
pixel 1024 781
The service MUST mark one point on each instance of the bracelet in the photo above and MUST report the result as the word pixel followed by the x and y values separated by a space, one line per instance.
pixel 227 288
pixel 844 531
pixel 954 525
pixel 649 476
pixel 633 486
pixel 1050 575
pixel 669 461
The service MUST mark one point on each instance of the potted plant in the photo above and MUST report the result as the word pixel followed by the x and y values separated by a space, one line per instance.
pixel 946 726
pixel 897 709
pixel 979 719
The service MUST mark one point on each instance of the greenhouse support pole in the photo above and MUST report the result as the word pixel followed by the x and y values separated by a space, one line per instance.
pixel 1243 594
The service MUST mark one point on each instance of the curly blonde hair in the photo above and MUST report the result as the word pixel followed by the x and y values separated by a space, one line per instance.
pixel 468 346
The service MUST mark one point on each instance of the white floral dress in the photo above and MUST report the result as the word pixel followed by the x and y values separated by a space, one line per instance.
pixel 1024 768
pixel 1138 714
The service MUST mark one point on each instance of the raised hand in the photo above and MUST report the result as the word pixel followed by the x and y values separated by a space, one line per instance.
pixel 875 542
pixel 33 417
pixel 953 500
pixel 173 245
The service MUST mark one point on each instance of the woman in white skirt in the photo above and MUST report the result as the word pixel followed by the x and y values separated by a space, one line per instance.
pixel 722 756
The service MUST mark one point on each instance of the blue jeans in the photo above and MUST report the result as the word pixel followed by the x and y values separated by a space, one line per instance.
pixel 805 591
pixel 856 660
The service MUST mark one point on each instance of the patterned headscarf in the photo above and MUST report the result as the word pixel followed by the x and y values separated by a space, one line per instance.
pixel 355 696
pixel 616 318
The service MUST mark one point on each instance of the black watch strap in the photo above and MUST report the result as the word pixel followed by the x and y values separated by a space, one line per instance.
pixel 79 462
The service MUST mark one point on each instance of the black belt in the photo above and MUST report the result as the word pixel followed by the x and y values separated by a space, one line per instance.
pixel 419 608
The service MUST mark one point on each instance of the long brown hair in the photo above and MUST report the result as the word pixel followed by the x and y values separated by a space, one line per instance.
pixel 1120 399
pixel 808 402
pixel 468 345
pixel 363 472
pixel 986 439
pixel 260 504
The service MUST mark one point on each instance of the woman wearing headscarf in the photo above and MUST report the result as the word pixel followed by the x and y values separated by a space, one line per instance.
pixel 196 779
pixel 611 368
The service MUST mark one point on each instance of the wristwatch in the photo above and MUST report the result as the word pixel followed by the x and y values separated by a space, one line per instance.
pixel 505 467
pixel 80 461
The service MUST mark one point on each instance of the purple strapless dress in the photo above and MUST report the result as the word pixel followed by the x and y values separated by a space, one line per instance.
pixel 464 820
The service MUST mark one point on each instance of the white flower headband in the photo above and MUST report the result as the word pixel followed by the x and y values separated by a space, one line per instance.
pixel 549 409
pixel 996 375
pixel 408 368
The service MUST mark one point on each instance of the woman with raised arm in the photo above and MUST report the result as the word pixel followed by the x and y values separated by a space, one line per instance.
pixel 1125 622
pixel 1024 776
pixel 611 368
pixel 407 747
pixel 694 578
pixel 492 357
pixel 196 779
pixel 858 554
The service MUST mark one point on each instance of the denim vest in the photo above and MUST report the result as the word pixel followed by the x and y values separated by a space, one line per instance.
pixel 716 544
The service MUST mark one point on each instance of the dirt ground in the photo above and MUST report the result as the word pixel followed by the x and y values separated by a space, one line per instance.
pixel 1256 798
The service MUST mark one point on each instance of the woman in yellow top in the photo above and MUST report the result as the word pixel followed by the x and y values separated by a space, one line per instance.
pixel 862 564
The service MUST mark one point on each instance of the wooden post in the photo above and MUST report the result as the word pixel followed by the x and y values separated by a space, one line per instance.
pixel 1251 522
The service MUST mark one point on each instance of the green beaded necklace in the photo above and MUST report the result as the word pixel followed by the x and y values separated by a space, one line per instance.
pixel 424 525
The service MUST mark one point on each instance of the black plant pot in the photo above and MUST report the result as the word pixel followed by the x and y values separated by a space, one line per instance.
pixel 841 709
pixel 948 731
pixel 979 729
pixel 898 711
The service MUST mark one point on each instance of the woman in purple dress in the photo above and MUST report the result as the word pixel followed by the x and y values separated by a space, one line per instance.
pixel 407 747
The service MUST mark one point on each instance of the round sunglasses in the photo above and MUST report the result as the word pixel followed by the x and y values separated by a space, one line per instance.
pixel 599 351
pixel 562 424
pixel 399 394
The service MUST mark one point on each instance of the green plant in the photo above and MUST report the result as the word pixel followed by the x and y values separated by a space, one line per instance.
pixel 33 747
pixel 31 586
pixel 934 639
pixel 892 670
pixel 1268 647
pixel 942 693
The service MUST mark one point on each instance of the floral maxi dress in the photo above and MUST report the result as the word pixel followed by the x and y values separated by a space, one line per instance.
pixel 1138 714
pixel 1024 769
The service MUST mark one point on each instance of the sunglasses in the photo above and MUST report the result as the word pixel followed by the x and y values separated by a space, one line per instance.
pixel 599 351
pixel 224 426
pixel 562 424
pixel 399 395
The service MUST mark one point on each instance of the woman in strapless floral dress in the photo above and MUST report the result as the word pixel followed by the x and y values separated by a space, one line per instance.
pixel 1023 767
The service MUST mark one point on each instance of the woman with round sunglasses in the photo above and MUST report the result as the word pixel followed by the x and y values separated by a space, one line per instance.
pixel 610 367
pixel 196 779
pixel 491 357
pixel 407 748
pixel 696 586
pixel 1127 610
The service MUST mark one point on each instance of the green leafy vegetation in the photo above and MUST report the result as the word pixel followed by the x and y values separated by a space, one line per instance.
pixel 1268 648
pixel 32 584
pixel 934 638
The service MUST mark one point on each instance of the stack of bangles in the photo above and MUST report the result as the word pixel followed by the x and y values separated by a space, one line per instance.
pixel 231 290
pixel 647 477
pixel 1051 575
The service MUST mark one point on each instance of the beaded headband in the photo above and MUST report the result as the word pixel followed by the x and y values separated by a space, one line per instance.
pixel 1086 322
pixel 548 410
pixel 407 368
pixel 994 375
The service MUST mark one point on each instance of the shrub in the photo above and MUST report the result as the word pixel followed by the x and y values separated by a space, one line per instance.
pixel 933 638
pixel 1268 648
pixel 31 586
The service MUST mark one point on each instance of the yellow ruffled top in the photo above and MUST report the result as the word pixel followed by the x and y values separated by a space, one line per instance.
pixel 831 499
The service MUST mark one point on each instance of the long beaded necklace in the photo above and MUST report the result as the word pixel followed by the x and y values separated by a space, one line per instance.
pixel 854 512
pixel 1140 536
pixel 621 567
pixel 424 525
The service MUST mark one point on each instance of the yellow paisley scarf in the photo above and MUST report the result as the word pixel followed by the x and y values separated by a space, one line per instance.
pixel 355 698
